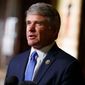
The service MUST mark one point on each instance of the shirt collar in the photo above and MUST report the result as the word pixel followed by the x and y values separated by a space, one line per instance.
pixel 42 52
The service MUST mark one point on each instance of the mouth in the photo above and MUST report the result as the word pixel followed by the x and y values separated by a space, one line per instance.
pixel 31 37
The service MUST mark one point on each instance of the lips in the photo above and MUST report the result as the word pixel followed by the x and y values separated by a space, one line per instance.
pixel 32 37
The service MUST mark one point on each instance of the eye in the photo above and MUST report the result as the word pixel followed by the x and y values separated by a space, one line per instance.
pixel 28 22
pixel 39 23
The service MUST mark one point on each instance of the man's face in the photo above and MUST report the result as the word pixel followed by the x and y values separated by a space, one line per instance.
pixel 38 31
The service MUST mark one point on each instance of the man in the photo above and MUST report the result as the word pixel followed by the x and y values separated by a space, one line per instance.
pixel 53 65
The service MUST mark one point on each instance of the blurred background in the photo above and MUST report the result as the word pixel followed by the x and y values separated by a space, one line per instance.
pixel 12 29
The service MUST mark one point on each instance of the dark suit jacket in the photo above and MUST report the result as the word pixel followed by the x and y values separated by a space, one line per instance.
pixel 63 69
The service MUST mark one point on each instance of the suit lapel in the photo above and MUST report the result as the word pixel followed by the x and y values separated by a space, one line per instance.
pixel 23 62
pixel 47 62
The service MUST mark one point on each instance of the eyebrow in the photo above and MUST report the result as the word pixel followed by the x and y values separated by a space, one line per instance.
pixel 43 21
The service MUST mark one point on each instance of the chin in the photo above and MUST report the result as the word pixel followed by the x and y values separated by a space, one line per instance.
pixel 31 43
pixel 34 46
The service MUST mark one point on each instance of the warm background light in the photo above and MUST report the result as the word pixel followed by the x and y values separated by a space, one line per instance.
pixel 70 11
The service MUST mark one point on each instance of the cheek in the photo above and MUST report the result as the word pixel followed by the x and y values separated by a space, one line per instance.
pixel 43 35
pixel 48 36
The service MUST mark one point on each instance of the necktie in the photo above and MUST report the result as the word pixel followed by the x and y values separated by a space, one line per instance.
pixel 31 66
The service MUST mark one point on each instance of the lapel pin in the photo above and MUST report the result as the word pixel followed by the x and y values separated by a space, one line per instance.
pixel 47 62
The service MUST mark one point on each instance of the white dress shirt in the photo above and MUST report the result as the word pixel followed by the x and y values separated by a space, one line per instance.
pixel 41 55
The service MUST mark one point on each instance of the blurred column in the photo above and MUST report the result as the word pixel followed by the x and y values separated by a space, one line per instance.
pixel 11 29
pixel 81 50
pixel 70 11
pixel 2 14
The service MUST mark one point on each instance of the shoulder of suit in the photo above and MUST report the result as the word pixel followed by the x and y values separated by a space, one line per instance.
pixel 64 56
pixel 20 56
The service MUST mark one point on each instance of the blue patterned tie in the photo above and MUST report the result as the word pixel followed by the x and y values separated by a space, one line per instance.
pixel 30 67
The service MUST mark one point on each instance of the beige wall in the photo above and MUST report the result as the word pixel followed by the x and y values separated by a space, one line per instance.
pixel 70 11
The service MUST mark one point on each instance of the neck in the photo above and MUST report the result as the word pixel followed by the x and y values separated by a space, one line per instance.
pixel 41 47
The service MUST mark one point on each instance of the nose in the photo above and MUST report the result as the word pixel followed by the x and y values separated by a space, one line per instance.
pixel 31 27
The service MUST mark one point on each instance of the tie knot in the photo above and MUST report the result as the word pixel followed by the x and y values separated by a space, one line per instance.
pixel 34 55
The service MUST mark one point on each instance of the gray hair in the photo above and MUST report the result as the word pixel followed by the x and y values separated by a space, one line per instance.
pixel 48 11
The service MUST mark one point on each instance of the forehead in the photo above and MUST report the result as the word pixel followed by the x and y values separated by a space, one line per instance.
pixel 36 17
